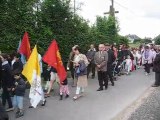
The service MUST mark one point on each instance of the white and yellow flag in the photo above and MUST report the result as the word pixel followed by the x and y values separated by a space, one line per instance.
pixel 32 72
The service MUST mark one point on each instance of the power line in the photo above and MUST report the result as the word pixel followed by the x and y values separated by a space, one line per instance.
pixel 126 8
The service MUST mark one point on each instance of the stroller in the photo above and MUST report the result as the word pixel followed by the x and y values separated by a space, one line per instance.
pixel 118 68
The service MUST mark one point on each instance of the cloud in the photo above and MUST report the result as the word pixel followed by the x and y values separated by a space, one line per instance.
pixel 155 15
pixel 139 17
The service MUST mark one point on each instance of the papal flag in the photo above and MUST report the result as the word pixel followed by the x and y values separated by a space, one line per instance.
pixel 32 72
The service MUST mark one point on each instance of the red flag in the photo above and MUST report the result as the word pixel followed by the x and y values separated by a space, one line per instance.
pixel 53 58
pixel 25 46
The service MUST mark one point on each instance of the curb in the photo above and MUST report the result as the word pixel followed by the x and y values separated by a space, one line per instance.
pixel 132 109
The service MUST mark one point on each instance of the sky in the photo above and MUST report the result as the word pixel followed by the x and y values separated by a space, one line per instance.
pixel 140 17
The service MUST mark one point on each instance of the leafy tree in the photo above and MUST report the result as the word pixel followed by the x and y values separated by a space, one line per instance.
pixel 157 40
pixel 46 20
pixel 17 16
pixel 122 40
pixel 105 30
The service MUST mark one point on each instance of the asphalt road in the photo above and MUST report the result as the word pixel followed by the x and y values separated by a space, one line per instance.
pixel 94 105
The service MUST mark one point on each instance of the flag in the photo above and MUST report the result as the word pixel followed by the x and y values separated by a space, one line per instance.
pixel 23 59
pixel 32 72
pixel 53 58
pixel 25 46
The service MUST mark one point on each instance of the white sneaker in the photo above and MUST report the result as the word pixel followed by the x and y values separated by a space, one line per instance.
pixel 146 74
pixel 9 109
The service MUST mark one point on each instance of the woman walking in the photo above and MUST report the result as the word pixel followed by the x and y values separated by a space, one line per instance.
pixel 80 64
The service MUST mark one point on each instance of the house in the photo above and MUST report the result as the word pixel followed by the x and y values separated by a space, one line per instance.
pixel 132 38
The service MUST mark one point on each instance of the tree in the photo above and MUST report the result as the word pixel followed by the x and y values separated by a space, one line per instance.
pixel 122 40
pixel 157 40
pixel 17 16
pixel 46 20
pixel 105 30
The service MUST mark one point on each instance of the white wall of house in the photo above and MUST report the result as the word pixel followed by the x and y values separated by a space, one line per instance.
pixel 131 40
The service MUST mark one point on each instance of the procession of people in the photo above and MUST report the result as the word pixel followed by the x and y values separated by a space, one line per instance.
pixel 108 61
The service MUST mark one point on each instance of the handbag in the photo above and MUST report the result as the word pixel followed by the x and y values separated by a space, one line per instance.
pixel 82 66
pixel 78 70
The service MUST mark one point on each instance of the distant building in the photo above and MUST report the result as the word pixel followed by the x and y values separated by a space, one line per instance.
pixel 132 38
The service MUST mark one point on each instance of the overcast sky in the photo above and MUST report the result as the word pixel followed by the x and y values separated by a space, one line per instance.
pixel 140 17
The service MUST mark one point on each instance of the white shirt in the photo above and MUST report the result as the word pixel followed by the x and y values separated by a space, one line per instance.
pixel 128 62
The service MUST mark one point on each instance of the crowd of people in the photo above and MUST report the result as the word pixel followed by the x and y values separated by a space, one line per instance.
pixel 107 60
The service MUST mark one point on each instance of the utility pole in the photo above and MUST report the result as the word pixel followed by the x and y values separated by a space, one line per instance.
pixel 112 10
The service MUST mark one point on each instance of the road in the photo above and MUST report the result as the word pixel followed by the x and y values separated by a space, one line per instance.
pixel 95 105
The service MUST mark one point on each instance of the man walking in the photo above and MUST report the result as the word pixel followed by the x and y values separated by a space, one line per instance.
pixel 101 59
pixel 111 59
pixel 90 56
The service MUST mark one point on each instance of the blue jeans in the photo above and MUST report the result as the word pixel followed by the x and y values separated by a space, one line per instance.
pixel 18 102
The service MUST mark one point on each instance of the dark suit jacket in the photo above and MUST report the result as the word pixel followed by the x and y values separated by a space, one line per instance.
pixel 156 64
pixel 90 55
pixel 111 57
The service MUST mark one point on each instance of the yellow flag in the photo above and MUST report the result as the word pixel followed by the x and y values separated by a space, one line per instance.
pixel 32 68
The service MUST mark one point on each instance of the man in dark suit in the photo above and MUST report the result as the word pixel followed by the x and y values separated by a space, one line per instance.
pixel 156 69
pixel 90 56
pixel 101 59
pixel 111 59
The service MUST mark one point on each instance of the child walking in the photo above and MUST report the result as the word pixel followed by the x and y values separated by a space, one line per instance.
pixel 128 65
pixel 64 90
pixel 19 90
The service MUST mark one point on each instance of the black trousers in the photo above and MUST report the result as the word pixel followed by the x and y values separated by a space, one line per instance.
pixel 157 78
pixel 103 79
pixel 6 97
pixel 72 70
pixel 3 113
pixel 110 72
pixel 91 67
pixel 147 67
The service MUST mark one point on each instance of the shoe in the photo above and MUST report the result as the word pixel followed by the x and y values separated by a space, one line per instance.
pixel 17 112
pixel 61 97
pixel 100 89
pixel 75 97
pixel 67 96
pixel 106 88
pixel 47 95
pixel 20 114
pixel 30 106
pixel 147 74
pixel 9 109
pixel 155 85
pixel 44 103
